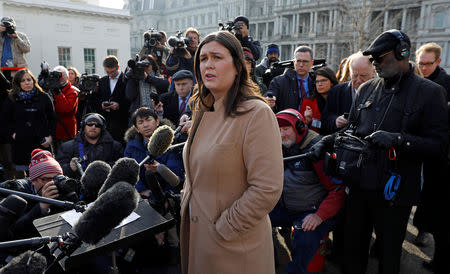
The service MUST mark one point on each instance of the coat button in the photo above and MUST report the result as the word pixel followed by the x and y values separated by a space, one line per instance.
pixel 194 219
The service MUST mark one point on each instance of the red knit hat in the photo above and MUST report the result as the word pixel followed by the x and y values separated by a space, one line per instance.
pixel 287 119
pixel 42 162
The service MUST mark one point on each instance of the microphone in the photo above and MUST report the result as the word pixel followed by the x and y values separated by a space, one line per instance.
pixel 110 208
pixel 296 157
pixel 155 188
pixel 125 169
pixel 11 208
pixel 168 175
pixel 177 130
pixel 93 179
pixel 29 262
pixel 159 143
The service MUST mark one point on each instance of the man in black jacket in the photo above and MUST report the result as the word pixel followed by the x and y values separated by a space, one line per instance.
pixel 113 104
pixel 93 142
pixel 175 104
pixel 241 32
pixel 294 85
pixel 341 97
pixel 404 119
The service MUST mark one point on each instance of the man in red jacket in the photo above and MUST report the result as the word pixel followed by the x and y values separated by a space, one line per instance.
pixel 66 105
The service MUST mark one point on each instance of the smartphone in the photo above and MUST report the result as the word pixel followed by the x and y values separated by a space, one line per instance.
pixel 346 115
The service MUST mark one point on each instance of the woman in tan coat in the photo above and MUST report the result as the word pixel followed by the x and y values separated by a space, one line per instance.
pixel 233 164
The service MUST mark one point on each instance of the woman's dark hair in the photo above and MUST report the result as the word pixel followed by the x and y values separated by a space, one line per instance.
pixel 152 62
pixel 18 78
pixel 243 87
pixel 143 112
pixel 327 73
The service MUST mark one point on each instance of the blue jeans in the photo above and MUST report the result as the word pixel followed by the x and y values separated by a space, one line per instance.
pixel 304 244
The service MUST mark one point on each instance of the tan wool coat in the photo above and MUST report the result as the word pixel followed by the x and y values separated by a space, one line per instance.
pixel 234 171
pixel 19 46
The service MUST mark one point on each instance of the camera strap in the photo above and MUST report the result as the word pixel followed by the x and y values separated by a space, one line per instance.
pixel 64 126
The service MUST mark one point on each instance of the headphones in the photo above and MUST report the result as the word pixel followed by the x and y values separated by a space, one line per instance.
pixel 299 125
pixel 401 50
pixel 92 114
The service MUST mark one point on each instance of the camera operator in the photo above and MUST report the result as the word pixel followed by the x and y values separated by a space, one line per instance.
pixel 42 171
pixel 241 25
pixel 144 83
pixel 13 46
pixel 272 56
pixel 93 142
pixel 66 105
pixel 183 58
pixel 155 45
pixel 113 104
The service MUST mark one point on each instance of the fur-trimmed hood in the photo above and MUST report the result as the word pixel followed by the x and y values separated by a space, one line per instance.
pixel 132 133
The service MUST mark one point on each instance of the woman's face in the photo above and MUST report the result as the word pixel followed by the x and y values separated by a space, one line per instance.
pixel 217 68
pixel 323 84
pixel 72 76
pixel 26 83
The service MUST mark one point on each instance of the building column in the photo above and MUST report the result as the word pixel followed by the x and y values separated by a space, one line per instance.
pixel 315 21
pixel 330 20
pixel 328 56
pixel 266 34
pixel 386 19
pixel 403 18
pixel 311 22
pixel 256 32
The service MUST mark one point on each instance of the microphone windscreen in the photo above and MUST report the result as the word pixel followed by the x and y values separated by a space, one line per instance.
pixel 106 212
pixel 13 205
pixel 29 262
pixel 160 141
pixel 125 169
pixel 167 175
pixel 93 179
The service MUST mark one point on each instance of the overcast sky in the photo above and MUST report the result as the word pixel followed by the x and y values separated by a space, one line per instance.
pixel 115 4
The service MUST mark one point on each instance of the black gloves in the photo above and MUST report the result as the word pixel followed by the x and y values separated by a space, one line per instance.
pixel 385 139
pixel 318 149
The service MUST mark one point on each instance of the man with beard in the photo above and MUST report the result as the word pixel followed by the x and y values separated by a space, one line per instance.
pixel 399 119
pixel 272 56
pixel 93 142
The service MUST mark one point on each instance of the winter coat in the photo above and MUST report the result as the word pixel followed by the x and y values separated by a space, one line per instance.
pixel 285 89
pixel 339 101
pixel 31 120
pixel 440 76
pixel 106 149
pixel 137 149
pixel 66 106
pixel 19 46
pixel 423 105
pixel 233 180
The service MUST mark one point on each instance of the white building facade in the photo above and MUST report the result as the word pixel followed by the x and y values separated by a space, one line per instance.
pixel 75 33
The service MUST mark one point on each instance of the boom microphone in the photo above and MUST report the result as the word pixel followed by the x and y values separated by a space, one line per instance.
pixel 107 212
pixel 159 142
pixel 29 262
pixel 11 208
pixel 125 169
pixel 93 179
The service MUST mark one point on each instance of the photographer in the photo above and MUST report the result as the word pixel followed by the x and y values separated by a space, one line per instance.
pixel 144 84
pixel 66 105
pixel 93 142
pixel 272 56
pixel 13 46
pixel 183 58
pixel 43 169
pixel 241 25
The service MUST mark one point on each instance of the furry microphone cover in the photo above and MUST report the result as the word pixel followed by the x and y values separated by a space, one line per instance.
pixel 160 141
pixel 107 212
pixel 125 169
pixel 93 179
pixel 23 264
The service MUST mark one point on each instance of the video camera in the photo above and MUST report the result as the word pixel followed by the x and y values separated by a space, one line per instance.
pixel 137 68
pixel 278 68
pixel 10 27
pixel 179 43
pixel 151 39
pixel 47 79
pixel 229 26
pixel 88 85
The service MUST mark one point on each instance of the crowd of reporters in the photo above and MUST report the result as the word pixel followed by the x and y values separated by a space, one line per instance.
pixel 86 118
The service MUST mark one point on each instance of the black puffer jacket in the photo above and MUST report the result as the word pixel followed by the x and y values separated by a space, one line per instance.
pixel 440 76
pixel 106 149
pixel 424 134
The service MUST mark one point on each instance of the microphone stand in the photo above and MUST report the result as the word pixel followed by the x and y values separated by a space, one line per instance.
pixel 64 204
pixel 31 241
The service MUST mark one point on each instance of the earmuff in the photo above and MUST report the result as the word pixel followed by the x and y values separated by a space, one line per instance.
pixel 92 114
pixel 401 51
pixel 299 124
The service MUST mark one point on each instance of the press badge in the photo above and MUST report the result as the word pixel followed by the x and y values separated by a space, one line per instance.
pixel 316 123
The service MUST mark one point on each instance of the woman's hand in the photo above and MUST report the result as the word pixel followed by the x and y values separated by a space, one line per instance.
pixel 48 141
pixel 308 115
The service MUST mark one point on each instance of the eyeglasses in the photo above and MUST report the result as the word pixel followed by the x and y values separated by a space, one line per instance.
pixel 93 125
pixel 323 81
pixel 47 179
pixel 429 64
pixel 379 58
